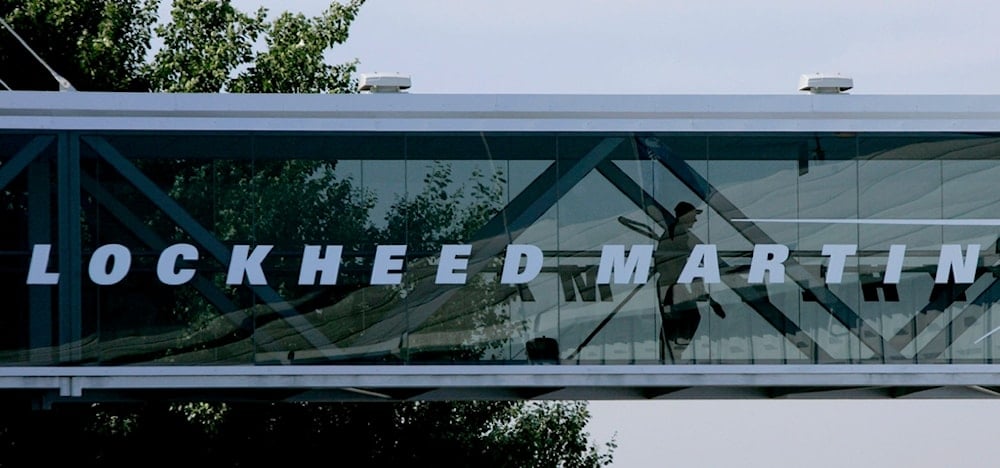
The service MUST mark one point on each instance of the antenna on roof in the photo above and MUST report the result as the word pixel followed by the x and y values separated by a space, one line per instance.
pixel 822 83
pixel 5 85
pixel 384 83
pixel 64 84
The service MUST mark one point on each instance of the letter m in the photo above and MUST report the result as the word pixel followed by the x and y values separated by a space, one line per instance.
pixel 614 261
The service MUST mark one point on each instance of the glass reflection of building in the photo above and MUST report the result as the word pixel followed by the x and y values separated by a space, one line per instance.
pixel 567 191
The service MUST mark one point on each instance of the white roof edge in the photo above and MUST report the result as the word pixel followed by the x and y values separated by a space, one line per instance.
pixel 25 110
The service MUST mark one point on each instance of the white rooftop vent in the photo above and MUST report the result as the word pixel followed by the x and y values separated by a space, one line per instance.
pixel 384 83
pixel 825 84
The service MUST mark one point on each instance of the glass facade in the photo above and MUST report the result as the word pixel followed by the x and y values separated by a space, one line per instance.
pixel 190 248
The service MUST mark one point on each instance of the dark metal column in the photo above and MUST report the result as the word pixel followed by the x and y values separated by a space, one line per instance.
pixel 70 257
pixel 39 232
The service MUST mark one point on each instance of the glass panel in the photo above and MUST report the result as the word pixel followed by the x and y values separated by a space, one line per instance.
pixel 459 195
pixel 346 192
pixel 537 301
pixel 616 322
pixel 769 189
pixel 306 195
pixel 346 196
pixel 146 197
pixel 966 183
pixel 29 324
pixel 829 190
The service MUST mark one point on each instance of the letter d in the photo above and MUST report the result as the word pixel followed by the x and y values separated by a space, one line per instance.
pixel 512 263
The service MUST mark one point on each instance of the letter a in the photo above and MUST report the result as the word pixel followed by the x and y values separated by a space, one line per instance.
pixel 703 262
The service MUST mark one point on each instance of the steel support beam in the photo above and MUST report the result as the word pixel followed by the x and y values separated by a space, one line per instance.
pixel 206 239
pixel 728 210
pixel 492 239
pixel 962 322
pixel 154 241
pixel 70 255
pixel 40 211
pixel 22 158
pixel 748 293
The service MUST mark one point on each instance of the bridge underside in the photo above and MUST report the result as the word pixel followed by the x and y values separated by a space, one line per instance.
pixel 46 386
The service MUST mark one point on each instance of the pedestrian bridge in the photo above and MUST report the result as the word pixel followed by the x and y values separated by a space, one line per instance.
pixel 406 246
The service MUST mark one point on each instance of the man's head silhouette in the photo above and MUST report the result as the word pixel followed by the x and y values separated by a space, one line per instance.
pixel 684 208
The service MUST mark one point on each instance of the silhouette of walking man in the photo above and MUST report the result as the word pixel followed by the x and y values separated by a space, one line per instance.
pixel 678 303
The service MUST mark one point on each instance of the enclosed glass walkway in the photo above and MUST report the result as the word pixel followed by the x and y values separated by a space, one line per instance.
pixel 219 246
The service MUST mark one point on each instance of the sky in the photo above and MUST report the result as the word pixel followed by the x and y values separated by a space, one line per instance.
pixel 672 47
pixel 711 47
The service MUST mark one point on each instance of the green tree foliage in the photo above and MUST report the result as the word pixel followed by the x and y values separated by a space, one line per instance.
pixel 548 434
pixel 474 433
pixel 293 60
pixel 202 45
pixel 439 215
pixel 98 45
pixel 210 46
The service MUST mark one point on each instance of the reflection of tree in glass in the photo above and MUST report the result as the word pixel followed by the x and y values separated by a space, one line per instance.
pixel 475 323
pixel 291 202
pixel 285 203
pixel 208 46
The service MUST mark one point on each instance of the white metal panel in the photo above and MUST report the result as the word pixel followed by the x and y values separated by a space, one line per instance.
pixel 27 110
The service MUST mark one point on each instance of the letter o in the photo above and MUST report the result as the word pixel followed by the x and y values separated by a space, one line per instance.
pixel 119 257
